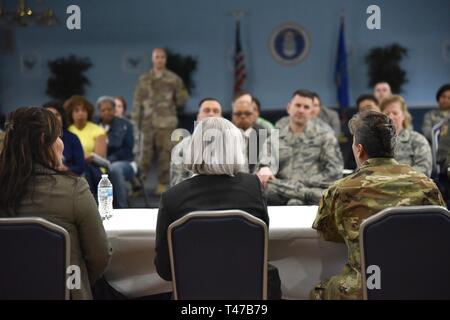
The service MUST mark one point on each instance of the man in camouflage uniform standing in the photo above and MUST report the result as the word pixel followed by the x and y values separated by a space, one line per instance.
pixel 379 183
pixel 157 96
pixel 309 158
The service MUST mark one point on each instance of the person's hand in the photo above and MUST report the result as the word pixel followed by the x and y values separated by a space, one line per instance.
pixel 265 174
pixel 89 158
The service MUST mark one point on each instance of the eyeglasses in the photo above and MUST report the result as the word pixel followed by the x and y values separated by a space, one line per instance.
pixel 239 114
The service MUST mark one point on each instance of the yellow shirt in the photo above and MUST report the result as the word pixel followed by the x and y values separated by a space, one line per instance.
pixel 87 136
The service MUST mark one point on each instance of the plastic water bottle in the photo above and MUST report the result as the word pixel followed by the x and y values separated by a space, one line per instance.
pixel 105 198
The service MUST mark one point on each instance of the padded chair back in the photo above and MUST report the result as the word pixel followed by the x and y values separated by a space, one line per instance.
pixel 219 255
pixel 406 251
pixel 34 256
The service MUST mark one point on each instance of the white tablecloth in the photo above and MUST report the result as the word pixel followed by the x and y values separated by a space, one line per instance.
pixel 302 258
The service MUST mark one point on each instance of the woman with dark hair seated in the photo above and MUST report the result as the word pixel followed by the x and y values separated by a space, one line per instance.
pixel 33 184
pixel 73 151
pixel 218 184
pixel 92 137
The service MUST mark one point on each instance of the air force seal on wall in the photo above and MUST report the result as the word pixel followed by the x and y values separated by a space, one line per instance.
pixel 289 43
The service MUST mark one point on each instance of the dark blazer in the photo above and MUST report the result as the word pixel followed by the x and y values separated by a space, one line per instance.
pixel 73 153
pixel 120 140
pixel 205 192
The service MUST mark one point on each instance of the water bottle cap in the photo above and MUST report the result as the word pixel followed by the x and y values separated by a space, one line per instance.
pixel 104 176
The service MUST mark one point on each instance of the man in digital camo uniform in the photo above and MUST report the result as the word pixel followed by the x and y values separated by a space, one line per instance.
pixel 379 183
pixel 309 158
pixel 157 96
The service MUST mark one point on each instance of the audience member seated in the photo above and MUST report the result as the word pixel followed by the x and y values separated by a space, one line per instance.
pixel 260 120
pixel 244 118
pixel 316 121
pixel 379 183
pixel 33 184
pixel 207 107
pixel 92 137
pixel 327 115
pixel 411 148
pixel 381 91
pixel 367 102
pixel 309 158
pixel 121 108
pixel 435 116
pixel 218 184
pixel 120 149
pixel 73 152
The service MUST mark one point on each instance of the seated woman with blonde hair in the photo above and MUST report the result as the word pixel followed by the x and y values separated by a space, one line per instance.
pixel 215 156
pixel 33 184
pixel 411 148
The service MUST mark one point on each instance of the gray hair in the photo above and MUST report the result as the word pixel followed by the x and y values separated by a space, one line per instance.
pixel 216 148
pixel 105 98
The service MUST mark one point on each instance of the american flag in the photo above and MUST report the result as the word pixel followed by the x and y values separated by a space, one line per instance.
pixel 239 65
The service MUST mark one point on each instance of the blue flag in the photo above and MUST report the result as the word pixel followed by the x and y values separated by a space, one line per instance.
pixel 341 73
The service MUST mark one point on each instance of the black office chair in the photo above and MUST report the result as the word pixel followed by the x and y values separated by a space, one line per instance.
pixel 410 247
pixel 219 255
pixel 34 256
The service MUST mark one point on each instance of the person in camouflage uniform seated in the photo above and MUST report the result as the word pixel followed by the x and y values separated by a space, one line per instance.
pixel 157 96
pixel 380 182
pixel 309 158
pixel 207 107
pixel 328 120
pixel 412 148
pixel 329 116
pixel 435 116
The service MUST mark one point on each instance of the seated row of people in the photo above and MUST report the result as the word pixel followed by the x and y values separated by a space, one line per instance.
pixel 307 158
pixel 88 141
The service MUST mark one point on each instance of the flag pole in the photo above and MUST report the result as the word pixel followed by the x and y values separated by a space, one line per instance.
pixel 239 63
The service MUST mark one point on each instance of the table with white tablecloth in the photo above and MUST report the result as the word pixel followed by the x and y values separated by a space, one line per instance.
pixel 301 256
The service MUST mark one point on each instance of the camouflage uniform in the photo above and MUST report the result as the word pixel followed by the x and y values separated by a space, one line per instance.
pixel 414 150
pixel 318 124
pixel 431 119
pixel 155 116
pixel 331 117
pixel 308 163
pixel 380 183
pixel 443 152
